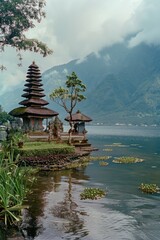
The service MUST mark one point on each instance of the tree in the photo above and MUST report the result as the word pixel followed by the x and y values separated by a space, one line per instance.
pixel 69 97
pixel 17 17
pixel 4 116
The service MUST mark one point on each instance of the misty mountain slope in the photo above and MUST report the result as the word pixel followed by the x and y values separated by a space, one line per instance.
pixel 108 95
pixel 123 84
pixel 147 97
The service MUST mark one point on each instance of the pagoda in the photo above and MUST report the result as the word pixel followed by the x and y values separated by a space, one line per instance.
pixel 33 110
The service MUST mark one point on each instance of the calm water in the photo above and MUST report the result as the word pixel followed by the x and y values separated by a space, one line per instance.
pixel 56 211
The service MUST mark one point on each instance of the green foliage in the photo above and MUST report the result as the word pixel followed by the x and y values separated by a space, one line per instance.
pixel 69 97
pixel 4 116
pixel 149 188
pixel 17 137
pixel 14 140
pixel 17 17
pixel 92 193
pixel 43 149
pixel 13 188
pixel 79 163
pixel 84 161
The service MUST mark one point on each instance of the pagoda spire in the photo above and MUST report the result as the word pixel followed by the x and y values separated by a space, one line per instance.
pixel 33 111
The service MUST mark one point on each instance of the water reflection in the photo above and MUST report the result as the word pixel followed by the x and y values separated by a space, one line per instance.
pixel 52 205
pixel 68 211
pixel 36 200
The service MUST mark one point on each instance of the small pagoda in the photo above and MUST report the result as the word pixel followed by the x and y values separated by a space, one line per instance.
pixel 33 110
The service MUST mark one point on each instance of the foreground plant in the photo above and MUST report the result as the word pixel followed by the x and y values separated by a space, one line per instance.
pixel 18 138
pixel 149 188
pixel 92 193
pixel 128 160
pixel 13 189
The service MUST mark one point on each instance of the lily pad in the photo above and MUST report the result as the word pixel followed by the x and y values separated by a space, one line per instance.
pixel 149 188
pixel 92 193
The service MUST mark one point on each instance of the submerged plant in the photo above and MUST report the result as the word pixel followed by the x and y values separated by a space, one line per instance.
pixel 92 193
pixel 149 188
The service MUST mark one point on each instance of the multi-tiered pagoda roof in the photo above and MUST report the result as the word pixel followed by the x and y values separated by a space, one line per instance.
pixel 33 109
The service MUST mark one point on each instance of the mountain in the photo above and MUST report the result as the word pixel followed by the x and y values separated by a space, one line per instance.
pixel 123 85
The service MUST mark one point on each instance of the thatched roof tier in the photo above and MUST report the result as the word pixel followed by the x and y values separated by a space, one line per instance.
pixel 33 66
pixel 33 88
pixel 34 80
pixel 33 102
pixel 30 112
pixel 32 70
pixel 33 94
pixel 33 83
pixel 78 117
pixel 33 75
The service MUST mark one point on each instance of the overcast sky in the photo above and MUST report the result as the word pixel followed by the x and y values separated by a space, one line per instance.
pixel 75 28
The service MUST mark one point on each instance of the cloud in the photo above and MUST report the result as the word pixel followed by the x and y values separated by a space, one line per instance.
pixel 78 28
pixel 75 28
pixel 146 22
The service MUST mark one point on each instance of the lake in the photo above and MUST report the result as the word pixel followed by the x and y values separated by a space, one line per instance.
pixel 56 211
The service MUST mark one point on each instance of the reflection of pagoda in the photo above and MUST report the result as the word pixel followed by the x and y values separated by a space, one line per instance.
pixel 33 111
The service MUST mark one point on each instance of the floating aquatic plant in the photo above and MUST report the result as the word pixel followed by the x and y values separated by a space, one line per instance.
pixel 95 158
pixel 128 160
pixel 149 188
pixel 103 163
pixel 92 193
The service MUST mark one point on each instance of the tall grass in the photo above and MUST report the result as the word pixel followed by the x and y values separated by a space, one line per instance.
pixel 13 188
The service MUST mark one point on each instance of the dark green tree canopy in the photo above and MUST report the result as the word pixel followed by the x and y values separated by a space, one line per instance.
pixel 4 116
pixel 17 17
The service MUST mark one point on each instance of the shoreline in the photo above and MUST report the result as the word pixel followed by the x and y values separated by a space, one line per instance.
pixel 53 161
